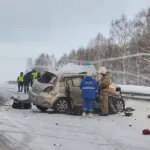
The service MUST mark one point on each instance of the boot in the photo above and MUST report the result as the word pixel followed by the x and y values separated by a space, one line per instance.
pixel 84 114
pixel 103 114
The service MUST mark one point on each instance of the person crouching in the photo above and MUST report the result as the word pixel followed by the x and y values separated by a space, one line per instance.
pixel 89 87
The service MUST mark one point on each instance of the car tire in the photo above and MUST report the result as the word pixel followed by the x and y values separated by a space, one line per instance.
pixel 62 106
pixel 119 105
pixel 43 109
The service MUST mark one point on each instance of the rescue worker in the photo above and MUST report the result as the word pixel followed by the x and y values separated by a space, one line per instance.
pixel 35 75
pixel 20 81
pixel 105 82
pixel 30 75
pixel 39 75
pixel 89 87
pixel 27 79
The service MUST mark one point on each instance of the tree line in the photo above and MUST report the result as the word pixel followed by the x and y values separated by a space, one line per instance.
pixel 126 53
pixel 42 63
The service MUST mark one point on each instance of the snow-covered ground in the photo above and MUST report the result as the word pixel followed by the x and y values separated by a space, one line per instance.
pixel 32 130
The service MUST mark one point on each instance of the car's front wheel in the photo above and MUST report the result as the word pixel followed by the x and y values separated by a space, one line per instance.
pixel 119 105
pixel 43 109
pixel 62 106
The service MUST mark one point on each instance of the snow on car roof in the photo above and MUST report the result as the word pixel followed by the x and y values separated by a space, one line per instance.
pixel 53 71
pixel 72 68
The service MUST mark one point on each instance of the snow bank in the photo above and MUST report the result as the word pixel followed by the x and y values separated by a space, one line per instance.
pixel 135 89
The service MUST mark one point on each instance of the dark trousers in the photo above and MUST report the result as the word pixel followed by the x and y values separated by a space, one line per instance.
pixel 88 106
pixel 31 83
pixel 26 89
pixel 20 86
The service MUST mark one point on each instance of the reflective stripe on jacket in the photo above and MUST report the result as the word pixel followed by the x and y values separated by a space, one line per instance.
pixel 89 88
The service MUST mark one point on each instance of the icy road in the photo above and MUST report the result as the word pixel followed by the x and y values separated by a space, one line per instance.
pixel 32 130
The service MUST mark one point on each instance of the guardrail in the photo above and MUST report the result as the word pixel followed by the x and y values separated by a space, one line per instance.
pixel 125 95
pixel 12 82
pixel 136 96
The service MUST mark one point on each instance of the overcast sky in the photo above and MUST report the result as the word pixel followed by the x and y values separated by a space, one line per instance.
pixel 30 27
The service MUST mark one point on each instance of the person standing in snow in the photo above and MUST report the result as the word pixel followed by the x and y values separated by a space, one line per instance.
pixel 39 75
pixel 27 80
pixel 105 82
pixel 34 75
pixel 89 87
pixel 30 78
pixel 20 81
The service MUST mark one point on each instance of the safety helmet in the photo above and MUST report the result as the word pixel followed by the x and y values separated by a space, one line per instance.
pixel 102 70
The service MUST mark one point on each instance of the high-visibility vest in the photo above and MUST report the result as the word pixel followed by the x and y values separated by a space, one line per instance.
pixel 35 74
pixel 20 78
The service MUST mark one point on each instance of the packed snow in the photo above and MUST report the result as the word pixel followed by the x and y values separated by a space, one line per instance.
pixel 33 130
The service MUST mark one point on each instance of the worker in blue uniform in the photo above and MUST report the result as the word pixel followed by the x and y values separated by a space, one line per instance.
pixel 89 87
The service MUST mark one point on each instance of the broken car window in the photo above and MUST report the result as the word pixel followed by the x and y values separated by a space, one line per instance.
pixel 76 82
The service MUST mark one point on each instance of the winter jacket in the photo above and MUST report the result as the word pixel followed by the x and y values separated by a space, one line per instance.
pixel 35 75
pixel 89 87
pixel 39 75
pixel 27 79
pixel 105 82
pixel 20 79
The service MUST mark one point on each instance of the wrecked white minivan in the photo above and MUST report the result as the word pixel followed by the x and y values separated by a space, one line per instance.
pixel 62 93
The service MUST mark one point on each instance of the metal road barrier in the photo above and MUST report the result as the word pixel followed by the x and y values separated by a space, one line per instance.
pixel 12 82
pixel 135 96
pixel 125 95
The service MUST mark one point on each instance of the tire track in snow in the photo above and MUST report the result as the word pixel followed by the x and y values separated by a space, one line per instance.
pixel 4 144
pixel 6 92
pixel 24 130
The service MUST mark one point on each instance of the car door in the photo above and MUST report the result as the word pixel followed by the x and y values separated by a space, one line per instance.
pixel 75 91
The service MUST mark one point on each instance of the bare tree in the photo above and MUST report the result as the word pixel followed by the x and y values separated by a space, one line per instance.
pixel 126 53
pixel 29 64
pixel 42 63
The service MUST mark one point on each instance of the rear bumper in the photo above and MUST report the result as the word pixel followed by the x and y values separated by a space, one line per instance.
pixel 40 100
pixel 33 97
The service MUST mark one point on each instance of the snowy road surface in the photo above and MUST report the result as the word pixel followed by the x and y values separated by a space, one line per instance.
pixel 32 130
